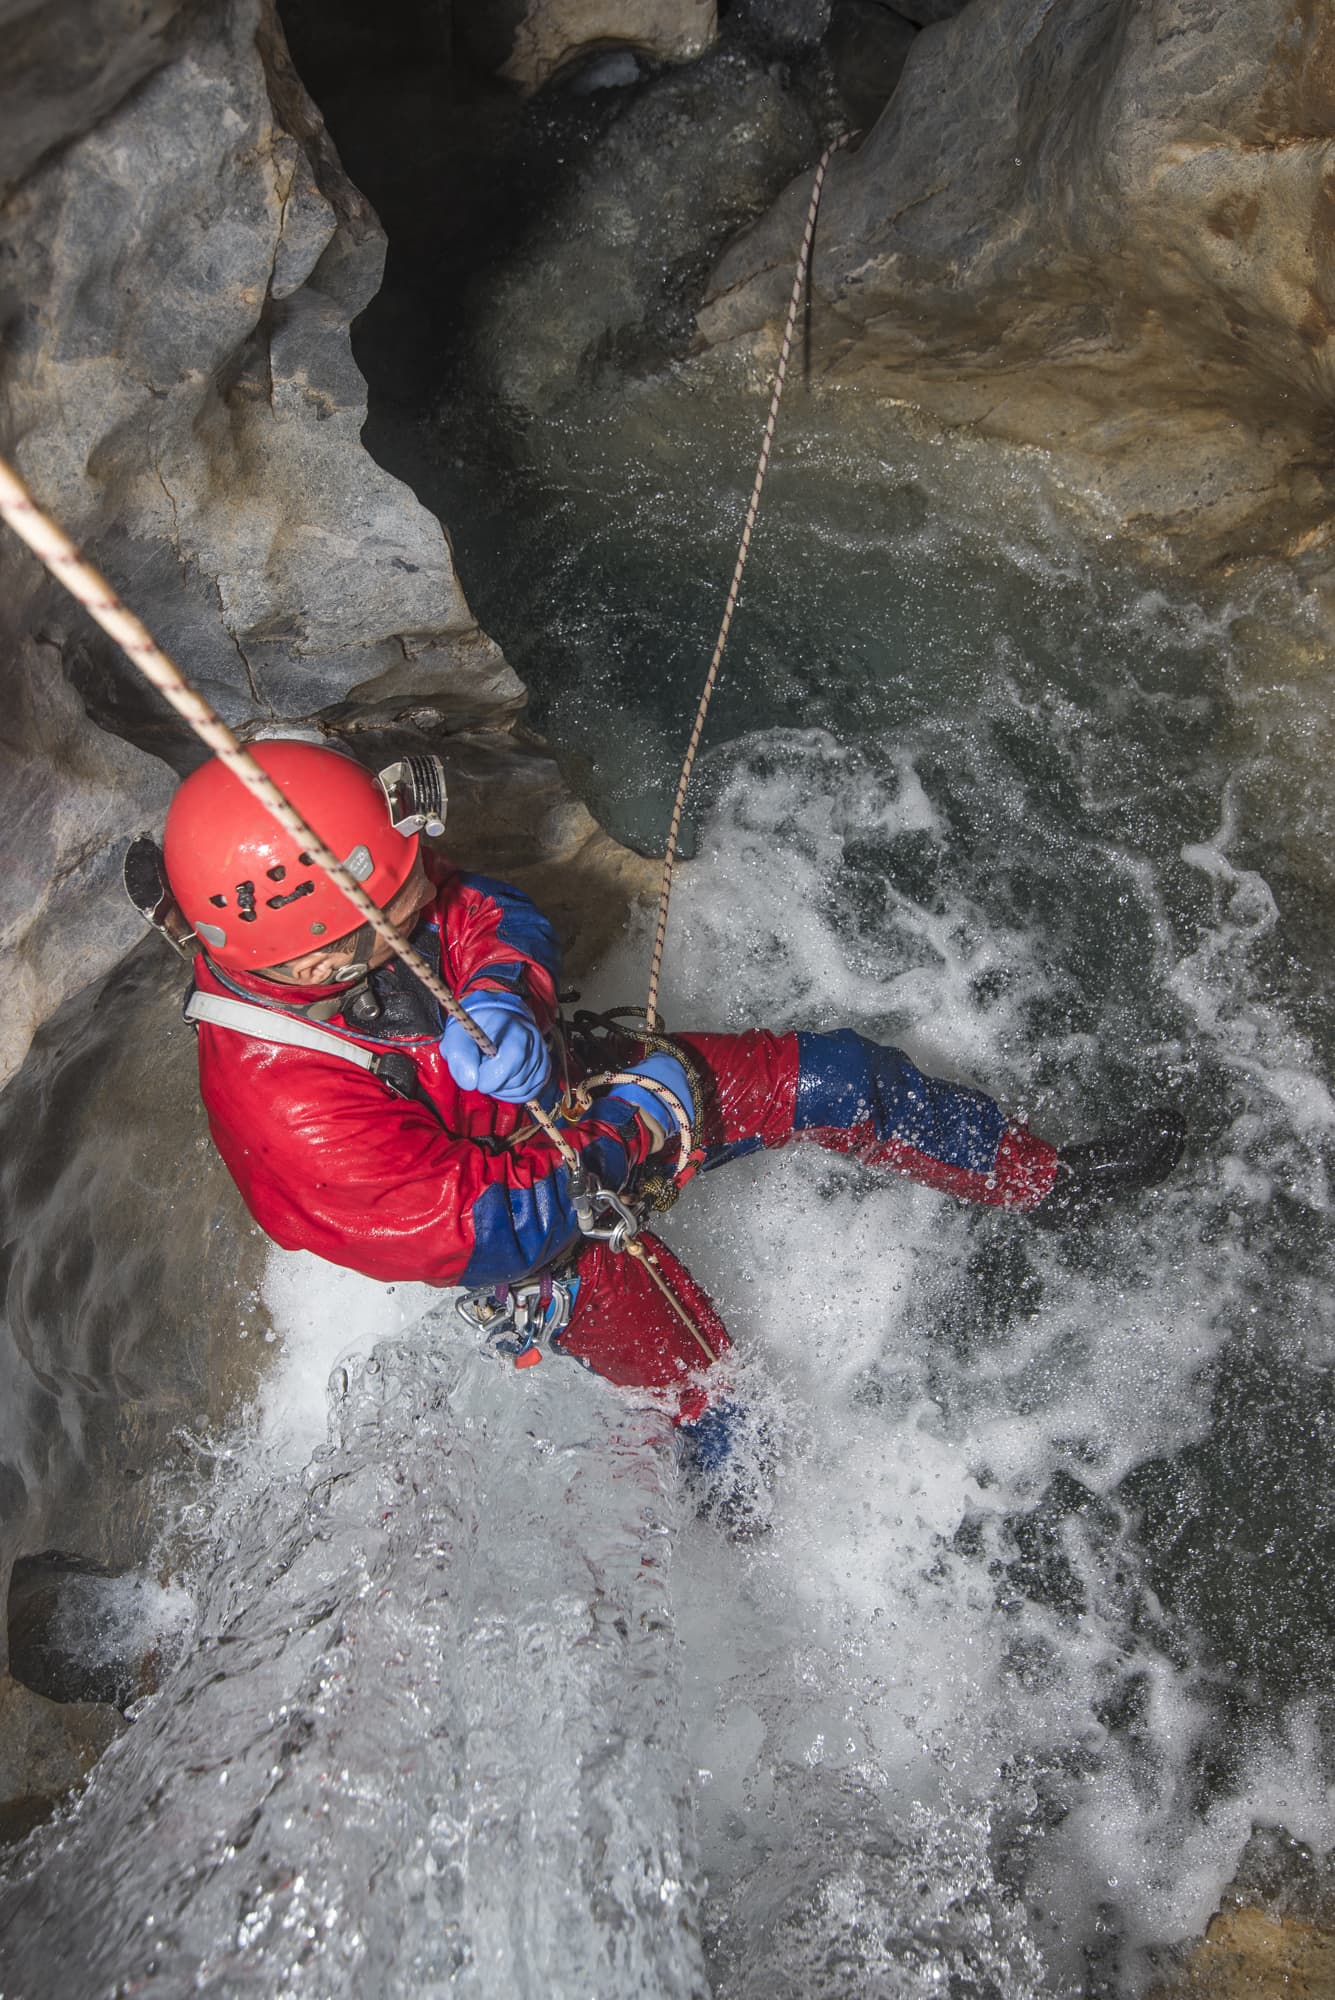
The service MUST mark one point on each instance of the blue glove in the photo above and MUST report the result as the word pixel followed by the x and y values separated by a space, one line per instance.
pixel 521 1066
pixel 664 1069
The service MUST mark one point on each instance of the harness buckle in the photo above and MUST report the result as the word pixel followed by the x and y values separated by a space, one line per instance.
pixel 590 1201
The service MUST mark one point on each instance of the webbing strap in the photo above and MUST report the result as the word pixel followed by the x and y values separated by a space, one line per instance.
pixel 268 1026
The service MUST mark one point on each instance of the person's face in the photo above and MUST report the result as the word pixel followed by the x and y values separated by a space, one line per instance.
pixel 323 965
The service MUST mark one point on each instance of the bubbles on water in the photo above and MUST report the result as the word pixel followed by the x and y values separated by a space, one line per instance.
pixel 958 1615
pixel 427 1737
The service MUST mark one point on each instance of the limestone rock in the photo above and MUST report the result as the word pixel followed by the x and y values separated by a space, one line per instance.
pixel 183 384
pixel 1101 228
pixel 131 1272
pixel 604 278
pixel 529 41
pixel 68 793
pixel 46 1747
pixel 67 64
pixel 183 259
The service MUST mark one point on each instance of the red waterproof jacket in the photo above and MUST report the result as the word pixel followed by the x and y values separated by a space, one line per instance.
pixel 329 1159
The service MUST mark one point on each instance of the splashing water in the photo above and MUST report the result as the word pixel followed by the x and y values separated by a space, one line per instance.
pixel 952 1663
pixel 426 1738
pixel 1040 1628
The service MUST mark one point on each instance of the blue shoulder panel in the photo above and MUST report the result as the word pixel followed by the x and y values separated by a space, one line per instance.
pixel 510 974
pixel 522 923
pixel 844 1080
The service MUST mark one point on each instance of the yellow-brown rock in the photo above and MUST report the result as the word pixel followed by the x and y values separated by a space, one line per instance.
pixel 547 35
pixel 45 1748
pixel 1248 1954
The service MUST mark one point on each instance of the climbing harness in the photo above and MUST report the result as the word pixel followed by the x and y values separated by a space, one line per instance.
pixel 392 1067
pixel 416 798
pixel 616 1036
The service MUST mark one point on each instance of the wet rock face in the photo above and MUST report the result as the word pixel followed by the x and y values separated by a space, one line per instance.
pixel 603 277
pixel 131 1272
pixel 184 256
pixel 528 41
pixel 182 386
pixel 68 64
pixel 46 1747
pixel 130 1321
pixel 1103 228
pixel 67 791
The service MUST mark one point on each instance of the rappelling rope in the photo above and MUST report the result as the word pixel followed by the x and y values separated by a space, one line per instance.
pixel 640 1250
pixel 53 547
pixel 706 695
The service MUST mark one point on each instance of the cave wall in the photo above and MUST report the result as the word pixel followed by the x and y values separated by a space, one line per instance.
pixel 1100 227
pixel 183 257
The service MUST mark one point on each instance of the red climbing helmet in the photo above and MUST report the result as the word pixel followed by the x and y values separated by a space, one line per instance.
pixel 251 894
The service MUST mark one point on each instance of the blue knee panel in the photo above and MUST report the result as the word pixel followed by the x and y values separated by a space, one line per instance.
pixel 844 1080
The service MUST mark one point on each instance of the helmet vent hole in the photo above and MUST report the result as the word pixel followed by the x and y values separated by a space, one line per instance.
pixel 277 874
pixel 218 902
pixel 281 902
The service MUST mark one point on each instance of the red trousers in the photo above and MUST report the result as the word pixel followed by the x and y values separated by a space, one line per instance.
pixel 626 1327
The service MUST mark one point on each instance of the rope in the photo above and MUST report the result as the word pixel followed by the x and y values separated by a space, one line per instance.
pixel 54 548
pixel 638 1249
pixel 651 1015
pixel 89 587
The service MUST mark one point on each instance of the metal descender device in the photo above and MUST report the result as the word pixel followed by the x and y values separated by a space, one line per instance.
pixel 516 1319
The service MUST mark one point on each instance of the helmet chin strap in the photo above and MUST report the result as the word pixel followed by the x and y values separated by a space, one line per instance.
pixel 360 966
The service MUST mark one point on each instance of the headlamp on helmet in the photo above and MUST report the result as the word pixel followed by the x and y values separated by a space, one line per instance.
pixel 415 789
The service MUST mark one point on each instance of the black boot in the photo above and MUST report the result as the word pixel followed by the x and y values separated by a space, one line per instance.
pixel 1107 1170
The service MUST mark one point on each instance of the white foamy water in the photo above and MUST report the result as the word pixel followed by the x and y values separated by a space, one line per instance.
pixel 1039 1631
pixel 943 1730
pixel 425 1738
